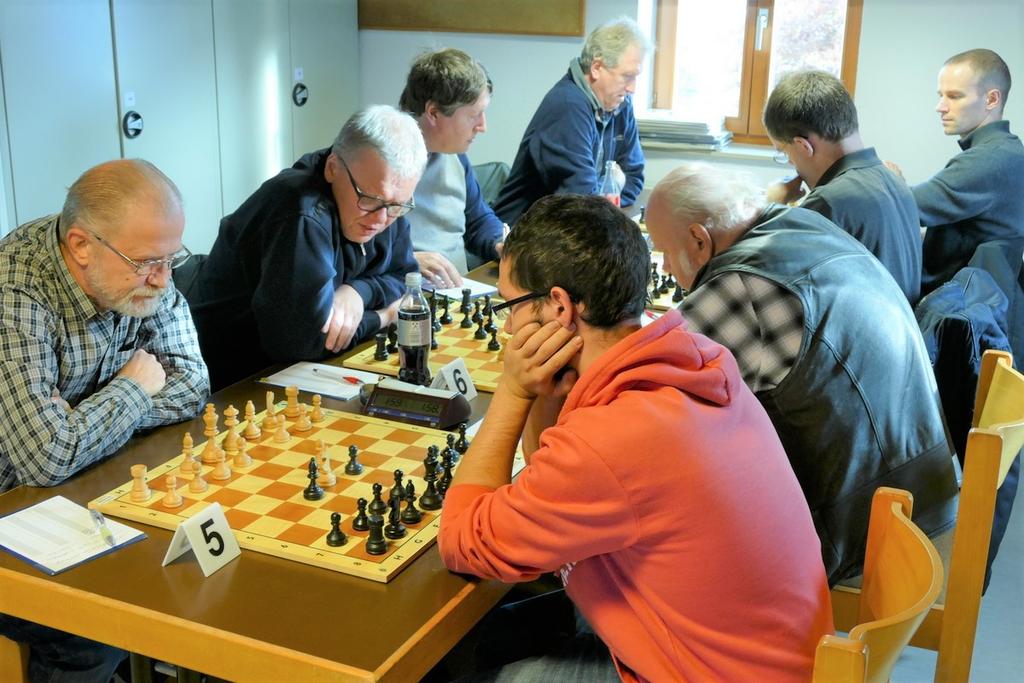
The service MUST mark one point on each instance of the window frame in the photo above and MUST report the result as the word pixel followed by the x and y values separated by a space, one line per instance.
pixel 747 126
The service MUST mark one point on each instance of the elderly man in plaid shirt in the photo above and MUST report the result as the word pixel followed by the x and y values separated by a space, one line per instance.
pixel 824 337
pixel 96 344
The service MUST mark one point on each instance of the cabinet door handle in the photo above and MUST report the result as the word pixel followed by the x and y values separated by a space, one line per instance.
pixel 132 124
pixel 300 93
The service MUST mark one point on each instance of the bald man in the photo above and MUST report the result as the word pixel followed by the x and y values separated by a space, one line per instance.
pixel 97 344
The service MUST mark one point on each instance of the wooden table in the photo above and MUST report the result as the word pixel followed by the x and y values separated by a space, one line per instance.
pixel 260 618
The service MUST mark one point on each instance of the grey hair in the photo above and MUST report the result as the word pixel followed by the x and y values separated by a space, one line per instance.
pixel 101 195
pixel 609 41
pixel 720 200
pixel 393 135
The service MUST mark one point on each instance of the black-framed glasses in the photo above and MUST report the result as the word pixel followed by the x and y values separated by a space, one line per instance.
pixel 371 202
pixel 503 309
pixel 149 266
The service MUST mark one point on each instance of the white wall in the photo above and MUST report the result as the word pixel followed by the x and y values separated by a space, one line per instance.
pixel 903 44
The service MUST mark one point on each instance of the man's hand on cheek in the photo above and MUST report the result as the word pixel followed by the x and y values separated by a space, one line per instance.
pixel 535 358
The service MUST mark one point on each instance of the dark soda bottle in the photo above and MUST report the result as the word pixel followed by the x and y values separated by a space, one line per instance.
pixel 414 333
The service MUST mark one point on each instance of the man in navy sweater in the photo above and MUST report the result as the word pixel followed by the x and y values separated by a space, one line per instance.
pixel 584 121
pixel 453 229
pixel 311 264
pixel 979 195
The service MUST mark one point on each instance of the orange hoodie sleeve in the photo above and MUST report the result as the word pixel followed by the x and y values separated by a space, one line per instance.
pixel 564 507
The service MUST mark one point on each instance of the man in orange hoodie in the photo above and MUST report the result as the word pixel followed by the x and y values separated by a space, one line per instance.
pixel 656 486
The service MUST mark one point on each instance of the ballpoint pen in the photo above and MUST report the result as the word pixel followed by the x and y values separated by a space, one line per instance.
pixel 101 527
pixel 339 378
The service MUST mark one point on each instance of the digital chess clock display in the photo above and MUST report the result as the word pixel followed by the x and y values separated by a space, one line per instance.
pixel 411 403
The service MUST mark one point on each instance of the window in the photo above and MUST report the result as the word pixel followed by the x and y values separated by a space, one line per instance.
pixel 721 58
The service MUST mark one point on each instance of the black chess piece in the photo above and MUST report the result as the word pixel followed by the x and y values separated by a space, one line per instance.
pixel 398 490
pixel 435 325
pixel 433 340
pixel 663 289
pixel 446 316
pixel 677 295
pixel 449 449
pixel 490 326
pixel 467 322
pixel 313 491
pixel 353 466
pixel 487 304
pixel 494 344
pixel 395 529
pixel 430 500
pixel 376 544
pixel 445 480
pixel 480 333
pixel 361 522
pixel 377 505
pixel 381 352
pixel 336 537
pixel 477 315
pixel 410 515
pixel 462 445
pixel 392 338
pixel 464 307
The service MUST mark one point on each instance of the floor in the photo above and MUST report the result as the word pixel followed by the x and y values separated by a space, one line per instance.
pixel 999 646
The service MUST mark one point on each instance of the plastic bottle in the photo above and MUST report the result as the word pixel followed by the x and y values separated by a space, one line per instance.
pixel 610 187
pixel 414 333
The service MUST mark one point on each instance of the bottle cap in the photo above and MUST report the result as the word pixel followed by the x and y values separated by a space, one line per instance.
pixel 413 279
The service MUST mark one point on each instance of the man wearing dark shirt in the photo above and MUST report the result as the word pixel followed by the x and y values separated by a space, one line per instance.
pixel 307 266
pixel 979 195
pixel 812 119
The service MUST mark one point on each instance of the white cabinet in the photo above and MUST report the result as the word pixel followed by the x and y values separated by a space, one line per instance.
pixel 165 73
pixel 211 79
pixel 58 74
pixel 325 46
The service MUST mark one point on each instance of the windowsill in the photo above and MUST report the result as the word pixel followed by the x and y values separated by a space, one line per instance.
pixel 732 150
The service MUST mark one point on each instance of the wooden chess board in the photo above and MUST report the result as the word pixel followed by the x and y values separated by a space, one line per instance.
pixel 453 342
pixel 264 505
pixel 662 302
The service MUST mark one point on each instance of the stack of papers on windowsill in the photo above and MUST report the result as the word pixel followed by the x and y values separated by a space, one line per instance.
pixel 57 534
pixel 660 125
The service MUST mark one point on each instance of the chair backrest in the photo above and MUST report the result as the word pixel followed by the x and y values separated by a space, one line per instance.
pixel 992 446
pixel 491 176
pixel 902 579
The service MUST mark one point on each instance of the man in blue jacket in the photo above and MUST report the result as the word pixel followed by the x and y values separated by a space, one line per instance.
pixel 584 121
pixel 978 196
pixel 453 229
pixel 315 260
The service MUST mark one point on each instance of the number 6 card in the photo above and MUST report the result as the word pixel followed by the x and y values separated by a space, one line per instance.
pixel 209 536
pixel 455 377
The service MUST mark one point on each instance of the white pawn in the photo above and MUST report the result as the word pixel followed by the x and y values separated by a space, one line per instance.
pixel 198 484
pixel 172 499
pixel 302 423
pixel 317 415
pixel 252 430
pixel 327 477
pixel 186 454
pixel 241 459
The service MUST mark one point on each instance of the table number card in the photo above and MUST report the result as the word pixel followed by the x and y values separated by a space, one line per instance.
pixel 208 535
pixel 455 377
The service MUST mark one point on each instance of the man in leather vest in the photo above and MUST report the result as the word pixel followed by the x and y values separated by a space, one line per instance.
pixel 825 339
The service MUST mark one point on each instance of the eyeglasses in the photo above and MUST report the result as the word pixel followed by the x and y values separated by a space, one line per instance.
pixel 149 266
pixel 371 203
pixel 780 157
pixel 503 310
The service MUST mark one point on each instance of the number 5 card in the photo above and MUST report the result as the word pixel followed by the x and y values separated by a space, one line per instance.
pixel 209 536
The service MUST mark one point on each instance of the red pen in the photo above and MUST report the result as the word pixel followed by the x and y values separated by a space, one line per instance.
pixel 339 378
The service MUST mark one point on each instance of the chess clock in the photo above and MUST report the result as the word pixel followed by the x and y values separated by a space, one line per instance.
pixel 394 400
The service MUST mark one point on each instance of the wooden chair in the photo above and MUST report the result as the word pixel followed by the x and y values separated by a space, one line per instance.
pixel 992 446
pixel 902 579
pixel 13 661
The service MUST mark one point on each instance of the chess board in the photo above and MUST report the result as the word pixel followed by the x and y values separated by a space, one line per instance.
pixel 452 342
pixel 662 302
pixel 264 505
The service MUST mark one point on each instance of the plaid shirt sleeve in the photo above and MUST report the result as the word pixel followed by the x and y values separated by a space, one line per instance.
pixel 758 321
pixel 44 442
pixel 171 336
